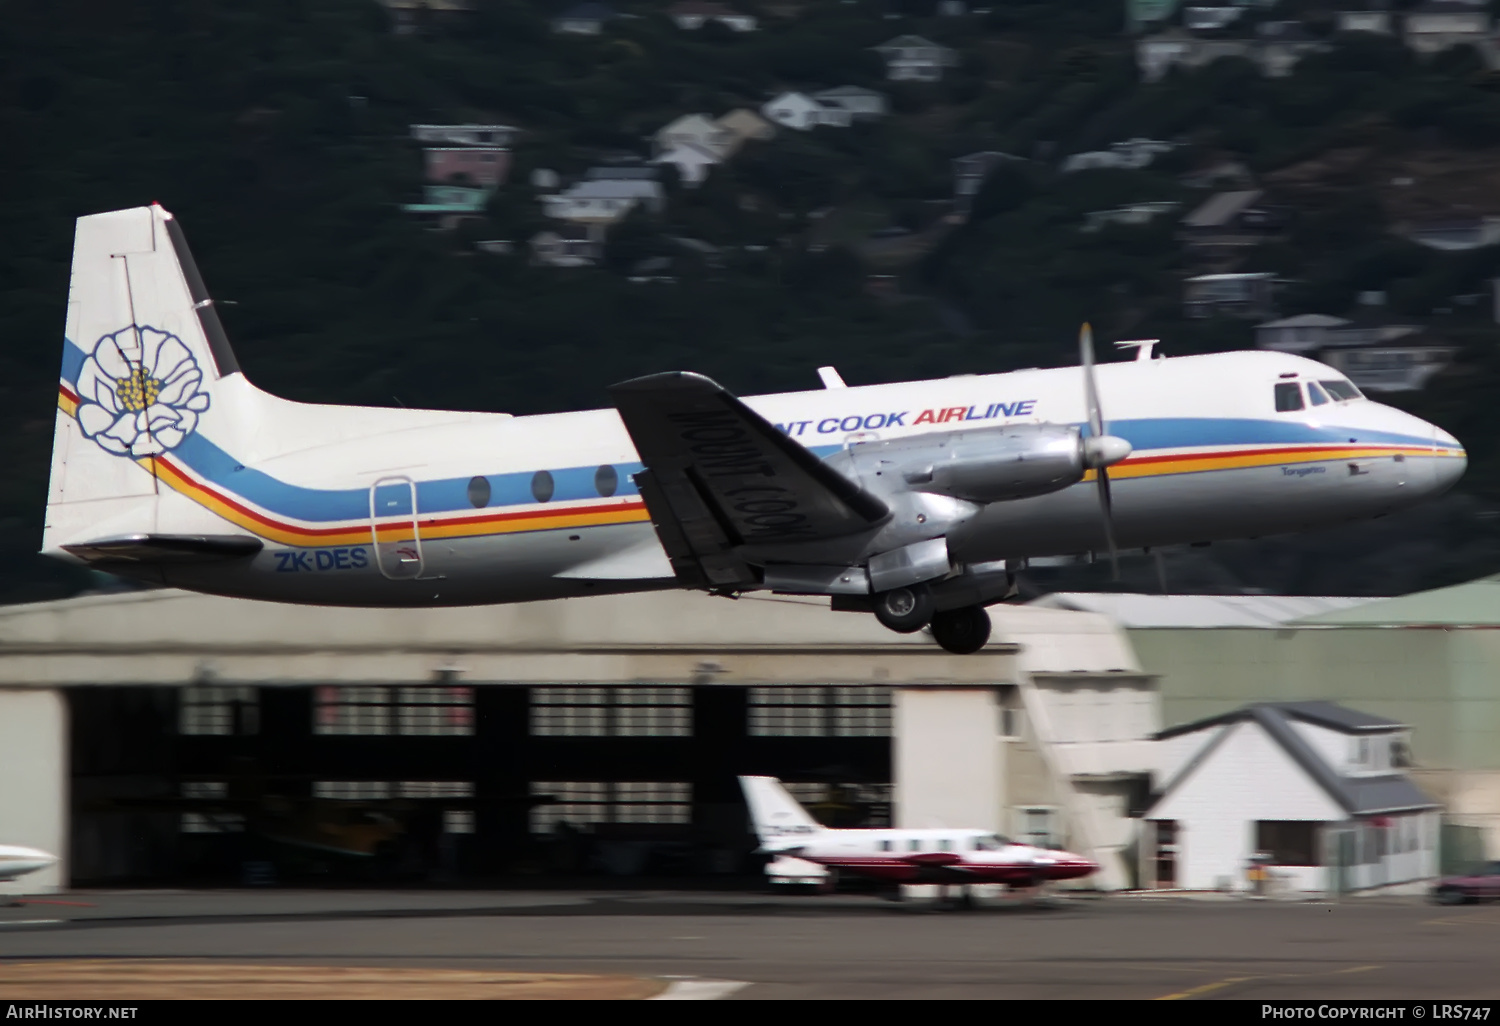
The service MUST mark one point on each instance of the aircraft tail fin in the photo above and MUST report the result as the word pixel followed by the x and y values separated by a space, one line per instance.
pixel 781 823
pixel 145 363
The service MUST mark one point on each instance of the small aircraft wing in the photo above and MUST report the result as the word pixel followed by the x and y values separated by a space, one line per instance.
pixel 719 478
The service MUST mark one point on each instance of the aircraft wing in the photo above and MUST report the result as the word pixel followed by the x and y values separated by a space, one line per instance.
pixel 719 478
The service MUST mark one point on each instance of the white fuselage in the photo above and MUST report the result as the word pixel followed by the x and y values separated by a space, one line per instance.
pixel 372 507
pixel 17 861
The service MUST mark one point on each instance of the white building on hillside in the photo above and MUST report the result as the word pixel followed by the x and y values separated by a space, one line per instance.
pixel 801 112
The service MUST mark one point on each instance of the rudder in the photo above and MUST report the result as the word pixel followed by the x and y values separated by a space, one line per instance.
pixel 777 816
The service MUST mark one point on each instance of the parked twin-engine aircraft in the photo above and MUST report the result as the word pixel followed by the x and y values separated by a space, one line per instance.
pixel 938 856
pixel 906 500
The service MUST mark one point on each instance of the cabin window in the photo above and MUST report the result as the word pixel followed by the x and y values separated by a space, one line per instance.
pixel 479 492
pixel 885 845
pixel 914 845
pixel 1288 397
pixel 1340 390
pixel 606 480
pixel 1315 394
pixel 542 486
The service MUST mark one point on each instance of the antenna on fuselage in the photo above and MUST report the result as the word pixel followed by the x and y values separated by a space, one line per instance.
pixel 1143 348
pixel 831 378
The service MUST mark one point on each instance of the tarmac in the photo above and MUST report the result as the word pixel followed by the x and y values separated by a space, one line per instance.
pixel 739 946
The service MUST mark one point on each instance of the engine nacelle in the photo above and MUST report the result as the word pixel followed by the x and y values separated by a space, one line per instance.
pixel 984 465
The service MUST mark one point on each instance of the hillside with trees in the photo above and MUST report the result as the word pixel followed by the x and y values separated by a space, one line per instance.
pixel 279 134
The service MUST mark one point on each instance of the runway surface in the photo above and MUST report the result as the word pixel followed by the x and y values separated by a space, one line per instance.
pixel 799 947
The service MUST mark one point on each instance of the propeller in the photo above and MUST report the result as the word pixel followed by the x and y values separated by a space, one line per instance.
pixel 1100 450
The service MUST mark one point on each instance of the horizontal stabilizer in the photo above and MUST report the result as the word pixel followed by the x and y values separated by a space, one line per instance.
pixel 167 548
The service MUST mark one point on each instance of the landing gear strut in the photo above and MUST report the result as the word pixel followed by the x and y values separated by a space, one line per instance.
pixel 962 631
pixel 904 610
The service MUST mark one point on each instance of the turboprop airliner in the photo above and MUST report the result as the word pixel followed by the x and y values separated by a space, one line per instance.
pixel 935 856
pixel 912 501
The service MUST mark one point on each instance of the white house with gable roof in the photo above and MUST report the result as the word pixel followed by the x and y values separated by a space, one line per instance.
pixel 1313 792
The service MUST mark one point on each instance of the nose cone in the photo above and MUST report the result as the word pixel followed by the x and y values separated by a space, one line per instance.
pixel 1064 865
pixel 1449 463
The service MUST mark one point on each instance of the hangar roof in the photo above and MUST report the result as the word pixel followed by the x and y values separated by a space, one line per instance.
pixel 1146 611
pixel 1475 604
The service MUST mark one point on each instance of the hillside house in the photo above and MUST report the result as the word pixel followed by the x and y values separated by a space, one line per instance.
pixel 696 130
pixel 1238 295
pixel 1228 223
pixel 1132 154
pixel 914 59
pixel 465 135
pixel 1201 19
pixel 1303 334
pixel 586 19
pixel 448 206
pixel 568 245
pixel 801 112
pixel 692 163
pixel 1313 790
pixel 1276 50
pixel 1376 18
pixel 625 173
pixel 861 104
pixel 409 17
pixel 744 125
pixel 458 165
pixel 694 14
pixel 1403 364
pixel 1440 24
pixel 604 202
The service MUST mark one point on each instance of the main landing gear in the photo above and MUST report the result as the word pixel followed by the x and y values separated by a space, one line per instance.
pixel 907 610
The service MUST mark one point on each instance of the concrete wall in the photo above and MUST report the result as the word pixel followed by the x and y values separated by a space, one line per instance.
pixel 946 758
pixel 34 782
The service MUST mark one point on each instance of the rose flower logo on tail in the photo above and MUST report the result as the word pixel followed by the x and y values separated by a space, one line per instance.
pixel 140 394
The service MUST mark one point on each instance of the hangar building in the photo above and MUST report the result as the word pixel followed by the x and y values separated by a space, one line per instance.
pixel 162 737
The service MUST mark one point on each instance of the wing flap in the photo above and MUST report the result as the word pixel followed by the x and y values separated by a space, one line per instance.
pixel 720 479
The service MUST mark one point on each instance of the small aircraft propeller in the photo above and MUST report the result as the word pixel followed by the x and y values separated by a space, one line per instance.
pixel 1100 450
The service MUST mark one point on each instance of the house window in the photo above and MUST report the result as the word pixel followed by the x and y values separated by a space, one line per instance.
pixel 218 710
pixel 436 710
pixel 1008 698
pixel 1288 842
pixel 585 804
pixel 1038 826
pixel 611 712
pixel 820 712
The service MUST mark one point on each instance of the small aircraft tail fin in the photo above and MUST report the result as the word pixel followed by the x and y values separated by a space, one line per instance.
pixel 145 362
pixel 781 823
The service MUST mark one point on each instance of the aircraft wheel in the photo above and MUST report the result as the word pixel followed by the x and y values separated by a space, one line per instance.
pixel 962 631
pixel 904 610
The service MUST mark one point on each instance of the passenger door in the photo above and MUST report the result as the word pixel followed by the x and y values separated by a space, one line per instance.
pixel 393 528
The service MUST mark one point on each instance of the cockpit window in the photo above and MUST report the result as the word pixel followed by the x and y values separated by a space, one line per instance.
pixel 990 842
pixel 1288 397
pixel 1341 390
pixel 1315 395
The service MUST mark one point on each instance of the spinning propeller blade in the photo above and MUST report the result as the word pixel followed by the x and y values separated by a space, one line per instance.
pixel 1100 450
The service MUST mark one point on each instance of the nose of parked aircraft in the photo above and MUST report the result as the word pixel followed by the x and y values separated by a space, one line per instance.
pixel 16 860
pixel 1068 866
